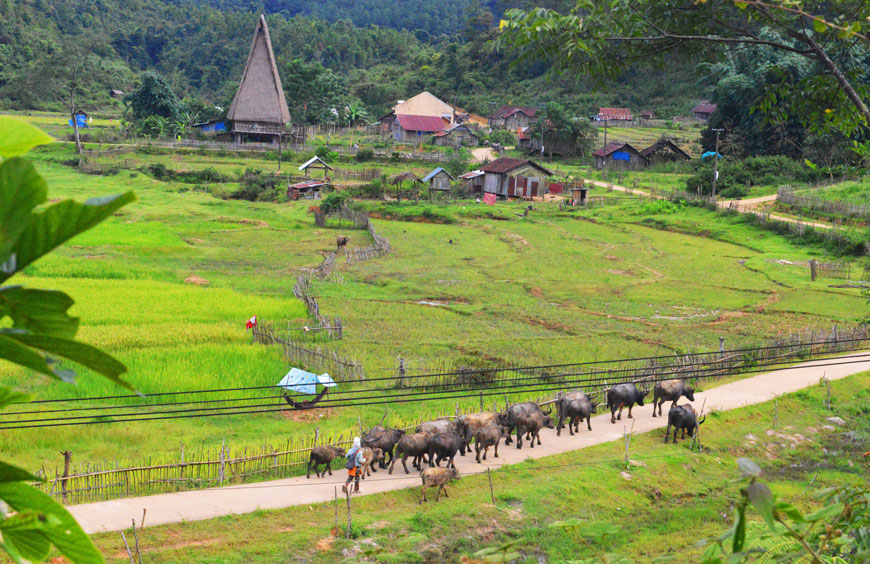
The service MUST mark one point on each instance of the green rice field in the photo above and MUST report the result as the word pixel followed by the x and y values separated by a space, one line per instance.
pixel 168 282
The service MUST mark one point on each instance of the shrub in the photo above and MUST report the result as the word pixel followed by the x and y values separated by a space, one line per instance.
pixel 364 155
pixel 504 136
pixel 325 154
pixel 333 202
pixel 157 170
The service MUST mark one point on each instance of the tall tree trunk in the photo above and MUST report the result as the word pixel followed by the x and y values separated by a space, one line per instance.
pixel 847 87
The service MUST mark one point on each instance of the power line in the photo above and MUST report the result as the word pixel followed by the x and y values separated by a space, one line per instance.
pixel 480 370
pixel 380 400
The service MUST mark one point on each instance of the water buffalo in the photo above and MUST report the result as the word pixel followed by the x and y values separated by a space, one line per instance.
pixel 575 407
pixel 341 242
pixel 486 437
pixel 670 390
pixel 532 423
pixel 510 418
pixel 683 417
pixel 623 395
pixel 438 426
pixel 444 446
pixel 371 455
pixel 437 477
pixel 384 439
pixel 469 424
pixel 416 446
pixel 323 455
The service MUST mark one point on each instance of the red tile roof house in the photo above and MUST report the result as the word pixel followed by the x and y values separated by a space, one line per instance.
pixel 512 117
pixel 703 110
pixel 515 178
pixel 614 114
pixel 619 156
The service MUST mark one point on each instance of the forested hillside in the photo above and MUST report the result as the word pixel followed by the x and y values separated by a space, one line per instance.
pixel 200 49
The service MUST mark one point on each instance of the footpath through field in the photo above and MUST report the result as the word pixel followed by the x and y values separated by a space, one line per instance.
pixel 741 206
pixel 195 505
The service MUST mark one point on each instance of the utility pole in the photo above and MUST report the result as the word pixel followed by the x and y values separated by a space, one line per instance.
pixel 605 145
pixel 716 162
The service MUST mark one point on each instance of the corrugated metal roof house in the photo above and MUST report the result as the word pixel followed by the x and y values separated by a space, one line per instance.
pixel 614 114
pixel 618 156
pixel 704 110
pixel 508 177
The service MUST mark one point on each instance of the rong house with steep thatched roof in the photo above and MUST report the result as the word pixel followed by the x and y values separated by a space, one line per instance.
pixel 259 110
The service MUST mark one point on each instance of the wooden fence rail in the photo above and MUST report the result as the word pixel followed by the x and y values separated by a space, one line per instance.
pixel 787 196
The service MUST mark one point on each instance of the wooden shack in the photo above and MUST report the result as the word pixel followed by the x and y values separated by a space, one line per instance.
pixel 704 110
pixel 618 156
pixel 259 109
pixel 473 182
pixel 663 151
pixel 456 136
pixel 512 117
pixel 508 177
pixel 315 163
pixel 439 180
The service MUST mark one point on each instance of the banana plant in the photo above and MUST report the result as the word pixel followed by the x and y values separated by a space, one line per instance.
pixel 38 333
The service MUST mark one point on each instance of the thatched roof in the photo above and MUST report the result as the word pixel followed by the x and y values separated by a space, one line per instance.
pixel 403 176
pixel 260 96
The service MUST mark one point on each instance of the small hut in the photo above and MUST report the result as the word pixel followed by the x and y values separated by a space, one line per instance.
pixel 398 180
pixel 308 189
pixel 439 180
pixel 315 163
pixel 620 156
pixel 663 151
pixel 474 182
pixel 259 109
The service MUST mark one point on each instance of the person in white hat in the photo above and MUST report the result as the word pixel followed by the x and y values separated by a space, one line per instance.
pixel 355 460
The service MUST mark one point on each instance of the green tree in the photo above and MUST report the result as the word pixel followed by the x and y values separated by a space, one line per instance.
pixel 36 331
pixel 315 94
pixel 153 97
pixel 602 38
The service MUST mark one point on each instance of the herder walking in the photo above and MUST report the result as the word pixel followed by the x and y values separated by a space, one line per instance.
pixel 355 460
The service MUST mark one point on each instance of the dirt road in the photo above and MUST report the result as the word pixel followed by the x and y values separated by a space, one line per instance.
pixel 483 154
pixel 742 206
pixel 205 504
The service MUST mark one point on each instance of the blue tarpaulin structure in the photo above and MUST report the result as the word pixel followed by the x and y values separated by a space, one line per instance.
pixel 82 120
pixel 305 382
pixel 710 154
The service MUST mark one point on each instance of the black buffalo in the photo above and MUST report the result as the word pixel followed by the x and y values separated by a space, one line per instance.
pixel 384 439
pixel 575 407
pixel 531 423
pixel 623 395
pixel 670 390
pixel 510 419
pixel 682 418
pixel 444 446
pixel 323 455
pixel 416 446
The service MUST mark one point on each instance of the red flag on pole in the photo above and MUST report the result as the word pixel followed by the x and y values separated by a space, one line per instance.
pixel 252 322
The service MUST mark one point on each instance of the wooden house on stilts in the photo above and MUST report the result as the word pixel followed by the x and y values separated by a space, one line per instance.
pixel 259 109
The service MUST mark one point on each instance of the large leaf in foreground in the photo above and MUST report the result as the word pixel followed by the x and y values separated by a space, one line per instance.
pixel 19 137
pixel 83 354
pixel 21 190
pixel 38 311
pixel 67 536
pixel 62 221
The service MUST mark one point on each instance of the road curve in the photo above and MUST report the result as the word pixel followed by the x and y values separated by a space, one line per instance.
pixel 196 505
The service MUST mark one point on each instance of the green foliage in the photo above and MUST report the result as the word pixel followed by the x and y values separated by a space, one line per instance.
pixel 154 97
pixel 736 176
pixel 326 154
pixel 333 202
pixel 39 330
pixel 504 136
pixel 364 155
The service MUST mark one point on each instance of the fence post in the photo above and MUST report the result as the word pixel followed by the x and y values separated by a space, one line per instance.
pixel 222 461
pixel 721 344
pixel 67 461
pixel 349 524
pixel 491 492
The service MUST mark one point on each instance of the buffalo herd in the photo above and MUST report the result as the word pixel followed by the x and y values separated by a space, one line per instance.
pixel 434 442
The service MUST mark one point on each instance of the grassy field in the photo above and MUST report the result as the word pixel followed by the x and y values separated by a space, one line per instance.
pixel 465 283
pixel 688 138
pixel 670 503
pixel 850 192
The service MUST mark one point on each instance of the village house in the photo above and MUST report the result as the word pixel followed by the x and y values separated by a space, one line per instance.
pixel 210 127
pixel 117 94
pixel 521 178
pixel 512 117
pixel 457 135
pixel 647 114
pixel 704 110
pixel 621 156
pixel 473 182
pixel 259 109
pixel 614 114
pixel 439 180
pixel 663 151
pixel 414 128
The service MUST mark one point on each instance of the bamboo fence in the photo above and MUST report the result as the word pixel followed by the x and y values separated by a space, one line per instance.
pixel 787 196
